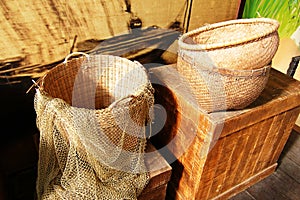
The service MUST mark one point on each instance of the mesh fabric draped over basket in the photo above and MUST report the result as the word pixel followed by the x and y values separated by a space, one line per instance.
pixel 91 113
pixel 227 64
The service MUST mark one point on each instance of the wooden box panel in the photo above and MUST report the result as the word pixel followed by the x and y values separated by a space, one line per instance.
pixel 230 150
pixel 246 156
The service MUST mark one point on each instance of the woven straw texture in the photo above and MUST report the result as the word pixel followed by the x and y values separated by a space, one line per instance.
pixel 227 64
pixel 222 89
pixel 91 113
pixel 235 44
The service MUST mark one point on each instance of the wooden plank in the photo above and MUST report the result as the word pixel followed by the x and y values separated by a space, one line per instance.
pixel 243 196
pixel 128 44
pixel 284 133
pixel 222 169
pixel 289 161
pixel 241 152
pixel 247 164
pixel 209 168
pixel 278 186
pixel 245 184
pixel 285 180
pixel 291 168
pixel 286 184
pixel 292 147
pixel 297 128
pixel 268 143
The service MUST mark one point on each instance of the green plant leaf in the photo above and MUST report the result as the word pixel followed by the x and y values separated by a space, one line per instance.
pixel 287 12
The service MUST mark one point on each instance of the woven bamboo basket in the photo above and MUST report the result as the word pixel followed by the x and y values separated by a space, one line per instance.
pixel 235 44
pixel 111 86
pixel 91 113
pixel 227 64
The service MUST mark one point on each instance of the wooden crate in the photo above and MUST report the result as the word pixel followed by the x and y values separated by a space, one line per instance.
pixel 230 150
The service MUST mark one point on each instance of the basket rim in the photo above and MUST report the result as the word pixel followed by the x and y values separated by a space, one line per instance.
pixel 209 27
pixel 225 71
pixel 140 90
pixel 81 58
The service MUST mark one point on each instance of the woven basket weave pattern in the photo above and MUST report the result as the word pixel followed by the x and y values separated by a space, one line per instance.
pixel 78 84
pixel 215 91
pixel 236 44
pixel 91 113
pixel 227 64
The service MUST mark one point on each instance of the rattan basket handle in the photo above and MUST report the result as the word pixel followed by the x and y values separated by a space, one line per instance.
pixel 75 54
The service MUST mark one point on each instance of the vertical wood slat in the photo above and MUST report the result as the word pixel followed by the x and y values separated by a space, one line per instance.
pixel 290 118
pixel 253 157
pixel 265 150
pixel 237 171
pixel 284 182
pixel 237 155
pixel 210 169
pixel 243 154
pixel 279 132
pixel 231 178
pixel 254 150
pixel 222 166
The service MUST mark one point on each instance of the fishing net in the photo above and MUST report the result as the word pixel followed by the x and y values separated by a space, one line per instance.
pixel 91 113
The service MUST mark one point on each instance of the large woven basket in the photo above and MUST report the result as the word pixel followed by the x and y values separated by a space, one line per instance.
pixel 115 88
pixel 227 64
pixel 91 113
pixel 235 44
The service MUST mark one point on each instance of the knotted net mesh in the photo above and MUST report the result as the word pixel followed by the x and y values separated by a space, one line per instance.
pixel 91 114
